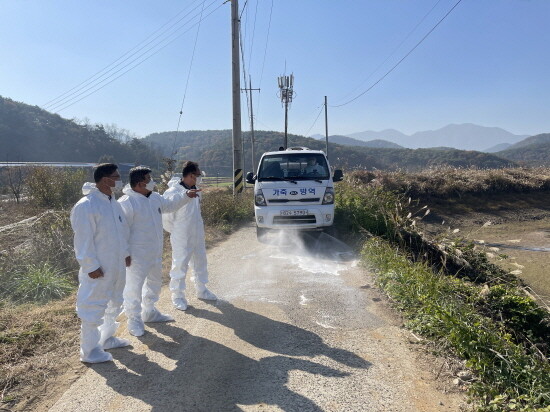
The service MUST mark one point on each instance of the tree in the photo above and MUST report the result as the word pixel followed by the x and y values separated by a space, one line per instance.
pixel 106 158
pixel 15 178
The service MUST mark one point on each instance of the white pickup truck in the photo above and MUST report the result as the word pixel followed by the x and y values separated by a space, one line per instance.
pixel 293 189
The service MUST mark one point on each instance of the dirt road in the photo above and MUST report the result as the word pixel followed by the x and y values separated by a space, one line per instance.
pixel 296 329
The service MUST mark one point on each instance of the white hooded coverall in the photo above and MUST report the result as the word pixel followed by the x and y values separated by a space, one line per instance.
pixel 100 241
pixel 144 276
pixel 186 229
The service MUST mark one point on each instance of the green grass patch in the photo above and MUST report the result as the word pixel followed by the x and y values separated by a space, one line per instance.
pixel 37 263
pixel 451 293
pixel 36 332
pixel 511 375
pixel 39 283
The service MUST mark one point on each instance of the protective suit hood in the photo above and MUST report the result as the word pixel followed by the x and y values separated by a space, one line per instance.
pixel 128 191
pixel 88 188
pixel 175 182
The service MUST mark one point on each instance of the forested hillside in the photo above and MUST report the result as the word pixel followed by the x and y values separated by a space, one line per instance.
pixel 533 151
pixel 349 141
pixel 543 138
pixel 28 133
pixel 213 150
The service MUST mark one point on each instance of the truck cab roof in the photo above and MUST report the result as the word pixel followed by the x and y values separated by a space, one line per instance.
pixel 294 149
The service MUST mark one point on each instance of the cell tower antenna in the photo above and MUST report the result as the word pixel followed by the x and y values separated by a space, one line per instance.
pixel 286 93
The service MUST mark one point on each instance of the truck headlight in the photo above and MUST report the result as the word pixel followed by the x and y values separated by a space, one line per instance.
pixel 259 199
pixel 328 198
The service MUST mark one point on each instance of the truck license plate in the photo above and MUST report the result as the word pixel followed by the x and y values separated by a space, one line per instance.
pixel 293 212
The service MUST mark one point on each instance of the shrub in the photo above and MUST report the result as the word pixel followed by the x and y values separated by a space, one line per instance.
pixel 368 209
pixel 521 316
pixel 54 187
pixel 44 245
pixel 39 283
pixel 220 208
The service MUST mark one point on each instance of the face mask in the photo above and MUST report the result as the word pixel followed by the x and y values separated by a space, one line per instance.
pixel 151 185
pixel 199 180
pixel 118 186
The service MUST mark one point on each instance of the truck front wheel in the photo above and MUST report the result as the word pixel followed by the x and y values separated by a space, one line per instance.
pixel 261 233
pixel 330 230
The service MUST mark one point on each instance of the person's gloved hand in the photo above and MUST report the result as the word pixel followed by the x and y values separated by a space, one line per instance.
pixel 193 192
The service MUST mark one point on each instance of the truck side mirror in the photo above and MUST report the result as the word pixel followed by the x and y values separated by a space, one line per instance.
pixel 250 178
pixel 338 176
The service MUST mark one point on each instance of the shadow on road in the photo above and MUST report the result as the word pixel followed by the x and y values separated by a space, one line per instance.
pixel 275 336
pixel 208 376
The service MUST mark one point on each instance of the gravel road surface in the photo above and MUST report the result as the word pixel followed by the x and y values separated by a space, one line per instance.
pixel 298 327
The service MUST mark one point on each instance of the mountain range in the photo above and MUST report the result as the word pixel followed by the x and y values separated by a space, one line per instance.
pixel 350 141
pixel 29 133
pixel 466 136
pixel 533 151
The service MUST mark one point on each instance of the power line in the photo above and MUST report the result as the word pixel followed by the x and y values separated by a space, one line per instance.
pixel 266 40
pixel 242 11
pixel 314 122
pixel 265 54
pixel 266 126
pixel 243 63
pixel 49 103
pixel 168 41
pixel 253 35
pixel 187 82
pixel 97 82
pixel 244 81
pixel 394 50
pixel 403 58
pixel 242 48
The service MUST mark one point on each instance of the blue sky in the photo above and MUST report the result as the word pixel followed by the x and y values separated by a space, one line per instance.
pixel 486 63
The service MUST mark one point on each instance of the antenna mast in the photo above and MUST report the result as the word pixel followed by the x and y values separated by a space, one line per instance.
pixel 286 85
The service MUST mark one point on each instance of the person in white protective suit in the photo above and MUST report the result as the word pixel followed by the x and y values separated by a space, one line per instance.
pixel 187 237
pixel 101 248
pixel 143 209
pixel 313 167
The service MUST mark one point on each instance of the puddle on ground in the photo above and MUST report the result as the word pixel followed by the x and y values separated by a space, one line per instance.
pixel 515 247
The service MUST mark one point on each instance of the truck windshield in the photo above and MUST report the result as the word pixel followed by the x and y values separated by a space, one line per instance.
pixel 294 166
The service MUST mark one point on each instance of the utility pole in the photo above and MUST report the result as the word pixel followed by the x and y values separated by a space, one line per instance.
pixel 237 134
pixel 286 84
pixel 326 124
pixel 252 123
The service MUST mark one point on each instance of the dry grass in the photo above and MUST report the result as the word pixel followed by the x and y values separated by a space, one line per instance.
pixel 11 212
pixel 221 210
pixel 450 182
pixel 37 343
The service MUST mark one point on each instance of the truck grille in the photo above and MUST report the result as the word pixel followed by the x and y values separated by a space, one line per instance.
pixel 308 199
pixel 294 220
